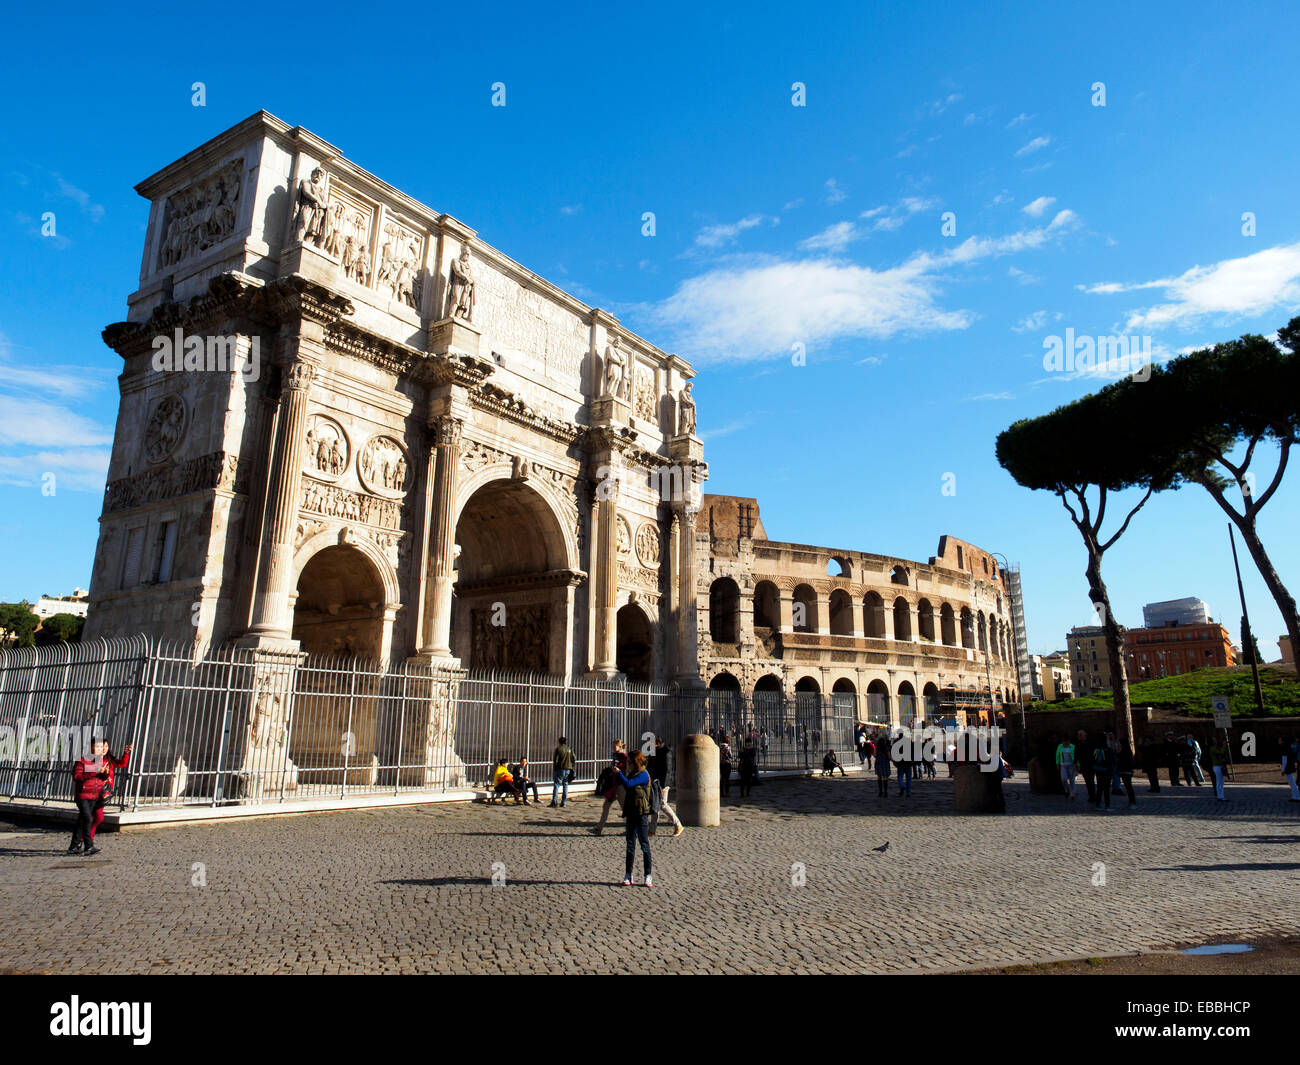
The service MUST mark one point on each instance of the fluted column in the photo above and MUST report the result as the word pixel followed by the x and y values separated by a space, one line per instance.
pixel 688 644
pixel 442 537
pixel 270 615
pixel 606 663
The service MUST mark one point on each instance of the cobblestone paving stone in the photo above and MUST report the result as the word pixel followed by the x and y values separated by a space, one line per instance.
pixel 409 889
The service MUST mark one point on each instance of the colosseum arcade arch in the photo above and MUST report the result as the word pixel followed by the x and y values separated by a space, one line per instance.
pixel 513 597
pixel 343 605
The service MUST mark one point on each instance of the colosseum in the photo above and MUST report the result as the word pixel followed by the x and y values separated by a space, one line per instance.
pixel 887 638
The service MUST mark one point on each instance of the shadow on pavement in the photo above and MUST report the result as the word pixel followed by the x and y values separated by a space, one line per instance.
pixel 485 881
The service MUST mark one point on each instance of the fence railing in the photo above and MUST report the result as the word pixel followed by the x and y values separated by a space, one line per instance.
pixel 233 725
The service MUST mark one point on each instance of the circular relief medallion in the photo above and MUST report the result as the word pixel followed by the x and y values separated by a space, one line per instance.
pixel 165 429
pixel 647 545
pixel 328 451
pixel 383 467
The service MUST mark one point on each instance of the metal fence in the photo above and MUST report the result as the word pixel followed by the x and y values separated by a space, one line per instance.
pixel 230 725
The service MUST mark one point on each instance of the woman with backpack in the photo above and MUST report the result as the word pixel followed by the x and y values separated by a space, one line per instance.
pixel 1103 765
pixel 748 767
pixel 93 780
pixel 883 767
pixel 1218 755
pixel 636 815
pixel 724 763
pixel 608 783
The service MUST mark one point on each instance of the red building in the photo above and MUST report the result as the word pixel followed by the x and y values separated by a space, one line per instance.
pixel 1173 649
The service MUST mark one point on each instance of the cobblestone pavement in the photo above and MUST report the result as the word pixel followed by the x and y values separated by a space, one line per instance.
pixel 409 889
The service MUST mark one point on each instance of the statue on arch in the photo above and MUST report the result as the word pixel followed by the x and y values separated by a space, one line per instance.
pixel 686 411
pixel 460 287
pixel 615 364
pixel 310 222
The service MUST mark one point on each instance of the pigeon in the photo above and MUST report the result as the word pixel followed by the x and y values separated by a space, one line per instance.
pixel 882 848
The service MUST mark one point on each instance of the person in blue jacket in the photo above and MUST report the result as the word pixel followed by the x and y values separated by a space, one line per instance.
pixel 636 815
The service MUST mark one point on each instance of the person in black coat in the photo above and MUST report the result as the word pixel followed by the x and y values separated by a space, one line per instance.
pixel 1149 753
pixel 1124 770
pixel 1171 754
pixel 1083 759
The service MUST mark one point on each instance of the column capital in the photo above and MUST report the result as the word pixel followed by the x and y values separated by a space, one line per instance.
pixel 447 430
pixel 300 373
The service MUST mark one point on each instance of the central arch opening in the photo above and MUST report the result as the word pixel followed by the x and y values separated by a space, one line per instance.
pixel 339 609
pixel 510 606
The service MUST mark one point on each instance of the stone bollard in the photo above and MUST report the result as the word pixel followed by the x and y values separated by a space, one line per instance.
pixel 699 784
pixel 976 792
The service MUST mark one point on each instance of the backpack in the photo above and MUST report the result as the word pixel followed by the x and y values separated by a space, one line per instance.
pixel 605 782
pixel 637 803
pixel 656 797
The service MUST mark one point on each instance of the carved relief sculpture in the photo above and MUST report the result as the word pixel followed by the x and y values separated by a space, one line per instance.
pixel 523 642
pixel 216 471
pixel 332 501
pixel 165 429
pixel 347 233
pixel 201 216
pixel 647 398
pixel 399 264
pixel 327 451
pixel 383 467
pixel 647 545
pixel 460 287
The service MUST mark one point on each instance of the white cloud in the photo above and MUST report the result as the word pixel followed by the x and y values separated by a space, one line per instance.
pixel 35 423
pixel 80 469
pixel 938 107
pixel 870 360
pixel 892 218
pixel 835 194
pixel 1037 208
pixel 835 237
pixel 739 314
pixel 726 233
pixel 1022 276
pixel 572 208
pixel 63 381
pixel 1034 145
pixel 985 397
pixel 1250 285
pixel 838 236
pixel 1032 322
pixel 1020 120
pixel 759 309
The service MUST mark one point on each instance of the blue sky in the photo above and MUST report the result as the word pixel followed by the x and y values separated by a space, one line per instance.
pixel 775 226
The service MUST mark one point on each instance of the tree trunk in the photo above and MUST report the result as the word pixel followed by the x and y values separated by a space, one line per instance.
pixel 1284 599
pixel 1114 646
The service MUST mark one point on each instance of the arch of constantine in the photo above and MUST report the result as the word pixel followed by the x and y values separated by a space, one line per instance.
pixel 350 426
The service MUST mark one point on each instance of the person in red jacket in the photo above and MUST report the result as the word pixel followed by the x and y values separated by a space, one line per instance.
pixel 93 779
